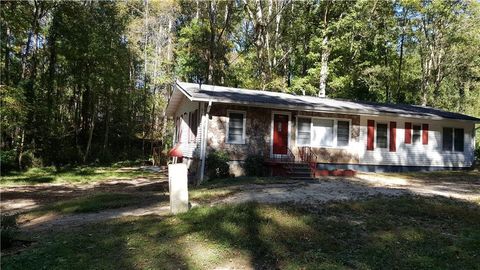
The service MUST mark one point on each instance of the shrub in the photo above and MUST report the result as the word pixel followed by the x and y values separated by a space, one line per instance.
pixel 217 164
pixel 9 230
pixel 29 160
pixel 8 160
pixel 253 166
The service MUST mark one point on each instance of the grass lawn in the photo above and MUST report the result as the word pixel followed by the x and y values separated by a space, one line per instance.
pixel 221 188
pixel 378 233
pixel 70 175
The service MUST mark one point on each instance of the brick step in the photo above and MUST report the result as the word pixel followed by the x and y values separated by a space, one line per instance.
pixel 302 178
pixel 300 173
pixel 298 167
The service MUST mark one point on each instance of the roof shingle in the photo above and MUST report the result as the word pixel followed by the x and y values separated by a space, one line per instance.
pixel 275 99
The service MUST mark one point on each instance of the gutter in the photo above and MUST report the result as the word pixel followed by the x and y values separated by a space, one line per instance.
pixel 203 147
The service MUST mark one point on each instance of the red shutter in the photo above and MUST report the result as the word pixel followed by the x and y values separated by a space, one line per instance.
pixel 408 133
pixel 425 133
pixel 393 136
pixel 370 134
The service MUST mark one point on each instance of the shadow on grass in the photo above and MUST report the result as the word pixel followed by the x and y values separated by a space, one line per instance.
pixel 40 179
pixel 96 202
pixel 378 233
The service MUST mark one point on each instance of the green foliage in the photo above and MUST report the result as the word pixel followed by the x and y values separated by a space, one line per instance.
pixel 217 164
pixel 73 81
pixel 8 160
pixel 88 82
pixel 9 230
pixel 254 166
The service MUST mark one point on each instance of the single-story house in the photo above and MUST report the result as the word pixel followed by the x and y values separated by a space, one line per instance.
pixel 330 133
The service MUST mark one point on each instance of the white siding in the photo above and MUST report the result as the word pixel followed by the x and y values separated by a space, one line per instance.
pixel 189 148
pixel 417 154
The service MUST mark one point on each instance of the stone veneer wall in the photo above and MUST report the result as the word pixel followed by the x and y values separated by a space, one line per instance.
pixel 258 131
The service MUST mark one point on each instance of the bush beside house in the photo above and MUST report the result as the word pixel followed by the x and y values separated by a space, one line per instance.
pixel 217 165
pixel 253 166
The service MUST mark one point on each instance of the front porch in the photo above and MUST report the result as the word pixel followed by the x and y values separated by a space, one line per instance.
pixel 301 165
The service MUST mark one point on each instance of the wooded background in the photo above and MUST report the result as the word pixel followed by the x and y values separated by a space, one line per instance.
pixel 88 81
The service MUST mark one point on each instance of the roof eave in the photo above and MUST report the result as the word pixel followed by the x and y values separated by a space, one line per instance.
pixel 345 111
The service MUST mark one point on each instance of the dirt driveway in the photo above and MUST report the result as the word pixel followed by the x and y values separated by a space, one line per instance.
pixel 361 186
pixel 313 192
pixel 26 197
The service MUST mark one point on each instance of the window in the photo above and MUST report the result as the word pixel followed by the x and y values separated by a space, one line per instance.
pixel 453 139
pixel 447 140
pixel 416 133
pixel 193 125
pixel 458 140
pixel 304 129
pixel 236 127
pixel 322 132
pixel 343 133
pixel 382 136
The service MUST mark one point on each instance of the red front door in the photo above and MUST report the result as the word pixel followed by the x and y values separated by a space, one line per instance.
pixel 280 134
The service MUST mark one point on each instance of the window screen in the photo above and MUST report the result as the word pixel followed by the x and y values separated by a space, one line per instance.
pixel 459 139
pixel 304 128
pixel 322 133
pixel 416 133
pixel 343 132
pixel 235 128
pixel 447 140
pixel 382 135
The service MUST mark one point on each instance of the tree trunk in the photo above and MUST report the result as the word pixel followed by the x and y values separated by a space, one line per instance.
pixel 107 120
pixel 7 56
pixel 324 67
pixel 90 136
pixel 144 124
pixel 20 150
pixel 325 56
pixel 29 39
pixel 400 61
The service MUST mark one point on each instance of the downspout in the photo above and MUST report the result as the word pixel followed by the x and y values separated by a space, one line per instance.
pixel 203 148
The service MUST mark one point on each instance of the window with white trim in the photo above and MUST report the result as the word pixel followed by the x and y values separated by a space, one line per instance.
pixel 416 134
pixel 453 139
pixel 382 135
pixel 236 127
pixel 304 131
pixel 343 133
pixel 322 132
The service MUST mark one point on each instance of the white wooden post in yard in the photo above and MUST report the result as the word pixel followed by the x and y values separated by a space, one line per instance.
pixel 178 187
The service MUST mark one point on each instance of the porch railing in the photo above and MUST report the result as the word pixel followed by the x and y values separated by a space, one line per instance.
pixel 306 154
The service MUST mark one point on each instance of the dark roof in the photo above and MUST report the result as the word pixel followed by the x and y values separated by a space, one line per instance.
pixel 275 99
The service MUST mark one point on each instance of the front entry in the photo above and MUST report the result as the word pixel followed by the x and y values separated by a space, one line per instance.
pixel 280 134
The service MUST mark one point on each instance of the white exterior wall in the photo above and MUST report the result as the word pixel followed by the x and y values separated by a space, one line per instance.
pixel 189 148
pixel 418 154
